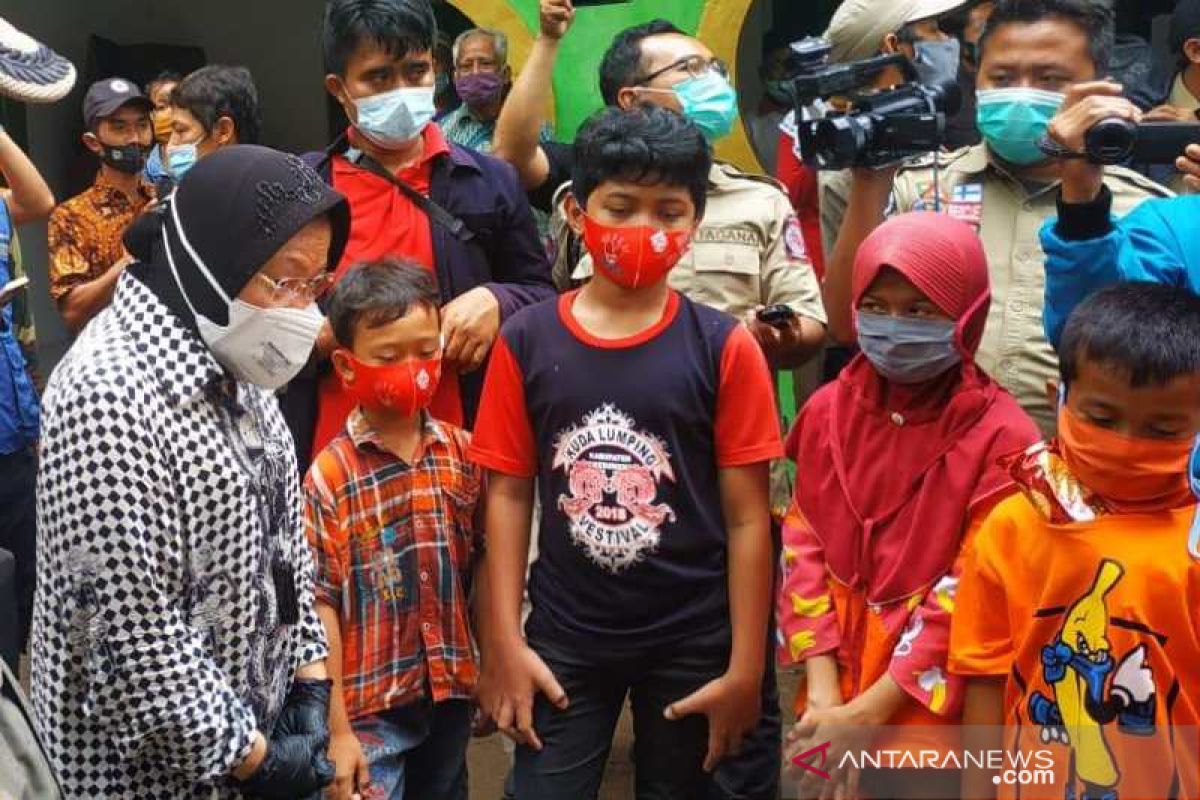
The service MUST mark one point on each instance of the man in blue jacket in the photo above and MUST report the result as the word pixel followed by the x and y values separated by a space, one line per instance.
pixel 26 199
pixel 1086 248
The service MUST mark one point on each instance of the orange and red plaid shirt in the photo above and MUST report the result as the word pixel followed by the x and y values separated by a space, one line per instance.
pixel 394 545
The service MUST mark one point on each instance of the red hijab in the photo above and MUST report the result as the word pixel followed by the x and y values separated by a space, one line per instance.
pixel 888 474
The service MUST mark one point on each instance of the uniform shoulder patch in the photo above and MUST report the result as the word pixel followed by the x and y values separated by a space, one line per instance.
pixel 793 239
pixel 733 172
pixel 927 160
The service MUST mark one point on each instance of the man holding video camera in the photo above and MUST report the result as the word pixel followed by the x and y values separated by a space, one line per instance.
pixel 1086 249
pixel 1031 52
pixel 861 29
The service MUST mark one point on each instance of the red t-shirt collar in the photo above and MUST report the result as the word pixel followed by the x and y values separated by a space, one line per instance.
pixel 567 301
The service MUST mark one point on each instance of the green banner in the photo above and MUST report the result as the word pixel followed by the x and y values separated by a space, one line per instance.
pixel 576 78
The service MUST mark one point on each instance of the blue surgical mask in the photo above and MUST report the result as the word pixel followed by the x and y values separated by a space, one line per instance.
pixel 937 62
pixel 1013 120
pixel 907 349
pixel 181 158
pixel 710 103
pixel 392 119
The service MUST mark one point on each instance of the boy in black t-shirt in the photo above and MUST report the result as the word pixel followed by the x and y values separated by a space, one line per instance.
pixel 646 422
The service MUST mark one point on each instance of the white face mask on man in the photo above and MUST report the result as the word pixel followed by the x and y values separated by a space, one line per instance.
pixel 263 346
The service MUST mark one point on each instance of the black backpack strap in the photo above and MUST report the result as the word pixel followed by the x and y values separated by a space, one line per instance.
pixel 436 213
pixel 319 159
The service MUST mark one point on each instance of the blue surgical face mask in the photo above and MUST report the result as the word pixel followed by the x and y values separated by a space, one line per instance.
pixel 937 62
pixel 181 158
pixel 392 119
pixel 710 103
pixel 1012 121
pixel 907 349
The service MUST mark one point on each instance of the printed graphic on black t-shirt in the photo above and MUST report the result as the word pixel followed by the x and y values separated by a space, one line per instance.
pixel 614 471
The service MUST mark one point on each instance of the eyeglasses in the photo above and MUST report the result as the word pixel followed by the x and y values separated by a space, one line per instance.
pixel 697 66
pixel 287 290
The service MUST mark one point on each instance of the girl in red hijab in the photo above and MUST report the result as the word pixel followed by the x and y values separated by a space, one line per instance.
pixel 896 464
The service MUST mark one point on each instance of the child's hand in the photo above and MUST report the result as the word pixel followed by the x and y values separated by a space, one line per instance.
pixel 823 699
pixel 824 688
pixel 353 775
pixel 839 730
pixel 510 679
pixel 732 705
pixel 482 725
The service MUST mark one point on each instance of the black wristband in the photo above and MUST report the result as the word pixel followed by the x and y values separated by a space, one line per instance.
pixel 1090 220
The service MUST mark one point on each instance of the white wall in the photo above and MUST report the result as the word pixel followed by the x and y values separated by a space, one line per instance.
pixel 278 40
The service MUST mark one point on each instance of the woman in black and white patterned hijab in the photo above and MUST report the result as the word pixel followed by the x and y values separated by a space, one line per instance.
pixel 177 652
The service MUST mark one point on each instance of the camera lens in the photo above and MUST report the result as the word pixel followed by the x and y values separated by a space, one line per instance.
pixel 839 140
pixel 1110 141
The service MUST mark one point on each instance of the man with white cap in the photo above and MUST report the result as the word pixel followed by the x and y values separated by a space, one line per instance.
pixel 1030 52
pixel 862 29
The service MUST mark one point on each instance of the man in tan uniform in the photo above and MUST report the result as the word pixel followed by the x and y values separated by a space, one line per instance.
pixel 862 29
pixel 1046 47
pixel 1008 213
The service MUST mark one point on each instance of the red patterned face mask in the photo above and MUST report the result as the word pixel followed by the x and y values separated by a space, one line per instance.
pixel 404 387
pixel 634 256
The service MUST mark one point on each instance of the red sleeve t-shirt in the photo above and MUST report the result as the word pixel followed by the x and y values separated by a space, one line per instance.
pixel 626 439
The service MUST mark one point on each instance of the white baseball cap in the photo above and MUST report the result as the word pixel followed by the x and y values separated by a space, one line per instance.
pixel 858 26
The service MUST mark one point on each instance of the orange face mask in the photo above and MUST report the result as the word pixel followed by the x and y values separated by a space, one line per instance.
pixel 1131 474
pixel 162 125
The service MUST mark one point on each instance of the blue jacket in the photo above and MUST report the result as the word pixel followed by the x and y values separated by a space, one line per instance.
pixel 1151 243
pixel 19 416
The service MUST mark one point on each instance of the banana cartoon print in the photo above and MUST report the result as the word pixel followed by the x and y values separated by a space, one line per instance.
pixel 1076 668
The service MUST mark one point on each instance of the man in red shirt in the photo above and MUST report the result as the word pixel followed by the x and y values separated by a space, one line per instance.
pixel 460 214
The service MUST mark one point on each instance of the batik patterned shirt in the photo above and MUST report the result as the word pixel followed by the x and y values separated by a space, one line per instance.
pixel 84 234
pixel 175 597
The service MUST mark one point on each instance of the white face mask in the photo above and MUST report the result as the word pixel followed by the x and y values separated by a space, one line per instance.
pixel 263 346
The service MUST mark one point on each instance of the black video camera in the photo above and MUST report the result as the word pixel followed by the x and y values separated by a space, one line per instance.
pixel 880 128
pixel 1117 141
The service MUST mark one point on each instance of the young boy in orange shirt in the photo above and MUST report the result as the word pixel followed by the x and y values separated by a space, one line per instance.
pixel 1078 623
pixel 389 507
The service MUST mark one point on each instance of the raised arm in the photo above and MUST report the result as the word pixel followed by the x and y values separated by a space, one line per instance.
pixel 869 193
pixel 28 197
pixel 519 127
pixel 1086 249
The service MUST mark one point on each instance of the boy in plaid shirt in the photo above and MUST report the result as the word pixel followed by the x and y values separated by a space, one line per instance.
pixel 389 509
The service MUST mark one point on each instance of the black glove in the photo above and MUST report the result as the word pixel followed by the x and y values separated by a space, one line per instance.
pixel 294 766
pixel 306 710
